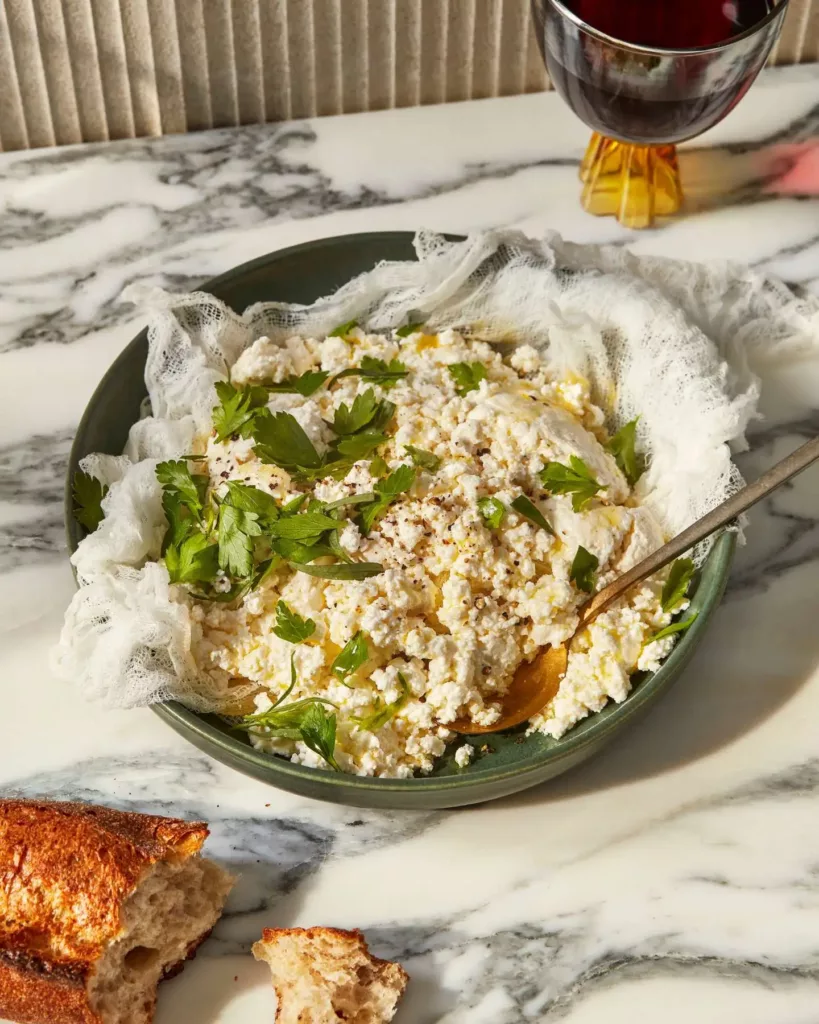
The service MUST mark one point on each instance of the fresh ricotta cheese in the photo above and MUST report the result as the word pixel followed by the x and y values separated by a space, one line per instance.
pixel 459 605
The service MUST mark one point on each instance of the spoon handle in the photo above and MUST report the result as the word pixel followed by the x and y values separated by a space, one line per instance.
pixel 722 515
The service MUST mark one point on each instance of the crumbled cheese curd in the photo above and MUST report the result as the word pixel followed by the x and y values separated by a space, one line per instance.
pixel 459 605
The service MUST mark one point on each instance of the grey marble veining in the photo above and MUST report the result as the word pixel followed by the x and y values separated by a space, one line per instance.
pixel 675 877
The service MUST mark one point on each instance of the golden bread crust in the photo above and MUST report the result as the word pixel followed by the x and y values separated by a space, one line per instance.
pixel 66 869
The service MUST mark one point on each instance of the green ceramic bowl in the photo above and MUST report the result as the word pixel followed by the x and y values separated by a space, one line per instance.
pixel 511 761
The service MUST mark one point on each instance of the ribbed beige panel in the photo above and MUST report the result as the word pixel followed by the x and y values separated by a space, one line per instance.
pixel 275 59
pixel 83 56
pixel 435 34
pixel 13 134
pixel 116 87
pixel 488 34
pixel 355 58
pixel 247 42
pixel 224 100
pixel 536 77
pixel 300 58
pixel 28 60
pixel 193 55
pixel 513 49
pixel 380 54
pixel 74 70
pixel 139 55
pixel 407 53
pixel 810 51
pixel 460 49
pixel 327 55
pixel 165 47
pixel 57 68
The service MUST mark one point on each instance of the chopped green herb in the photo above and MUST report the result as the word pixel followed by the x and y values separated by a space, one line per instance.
pixel 622 446
pixel 318 732
pixel 384 712
pixel 467 376
pixel 301 552
pixel 676 586
pixel 675 627
pixel 378 467
pixel 583 570
pixel 350 658
pixel 303 526
pixel 335 545
pixel 306 720
pixel 575 479
pixel 281 441
pixel 290 508
pixel 236 532
pixel 387 490
pixel 307 384
pixel 353 499
pixel 181 521
pixel 422 459
pixel 398 482
pixel 383 373
pixel 292 627
pixel 185 488
pixel 367 410
pixel 237 408
pixel 408 329
pixel 342 571
pixel 492 511
pixel 195 560
pixel 252 499
pixel 88 493
pixel 360 446
pixel 375 370
pixel 526 508
pixel 343 329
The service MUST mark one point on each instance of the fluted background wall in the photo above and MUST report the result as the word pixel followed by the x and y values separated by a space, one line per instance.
pixel 91 70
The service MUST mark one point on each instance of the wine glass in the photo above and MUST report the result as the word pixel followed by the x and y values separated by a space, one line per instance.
pixel 639 99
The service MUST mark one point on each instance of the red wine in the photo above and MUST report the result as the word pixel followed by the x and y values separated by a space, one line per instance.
pixel 654 98
pixel 671 24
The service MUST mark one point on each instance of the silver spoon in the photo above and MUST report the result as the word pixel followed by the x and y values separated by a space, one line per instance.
pixel 535 683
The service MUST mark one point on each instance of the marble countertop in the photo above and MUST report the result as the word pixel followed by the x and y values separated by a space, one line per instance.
pixel 675 877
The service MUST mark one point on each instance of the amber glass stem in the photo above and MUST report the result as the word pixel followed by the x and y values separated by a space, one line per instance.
pixel 633 183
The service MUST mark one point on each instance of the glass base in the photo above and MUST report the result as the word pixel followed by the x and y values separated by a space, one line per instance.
pixel 633 183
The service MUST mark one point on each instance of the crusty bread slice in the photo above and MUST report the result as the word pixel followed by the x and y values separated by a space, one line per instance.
pixel 96 907
pixel 327 975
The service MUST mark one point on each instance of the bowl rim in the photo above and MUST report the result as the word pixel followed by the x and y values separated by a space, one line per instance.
pixel 589 732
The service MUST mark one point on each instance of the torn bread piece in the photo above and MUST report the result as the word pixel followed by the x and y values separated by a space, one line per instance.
pixel 327 975
pixel 96 907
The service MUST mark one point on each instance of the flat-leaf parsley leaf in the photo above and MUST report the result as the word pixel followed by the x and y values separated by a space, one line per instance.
pixel 88 493
pixel 237 408
pixel 351 657
pixel 467 376
pixel 583 570
pixel 236 532
pixel 492 512
pixel 422 459
pixel 307 384
pixel 292 627
pixel 575 479
pixel 622 446
pixel 675 627
pixel 677 583
pixel 526 508
pixel 280 440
